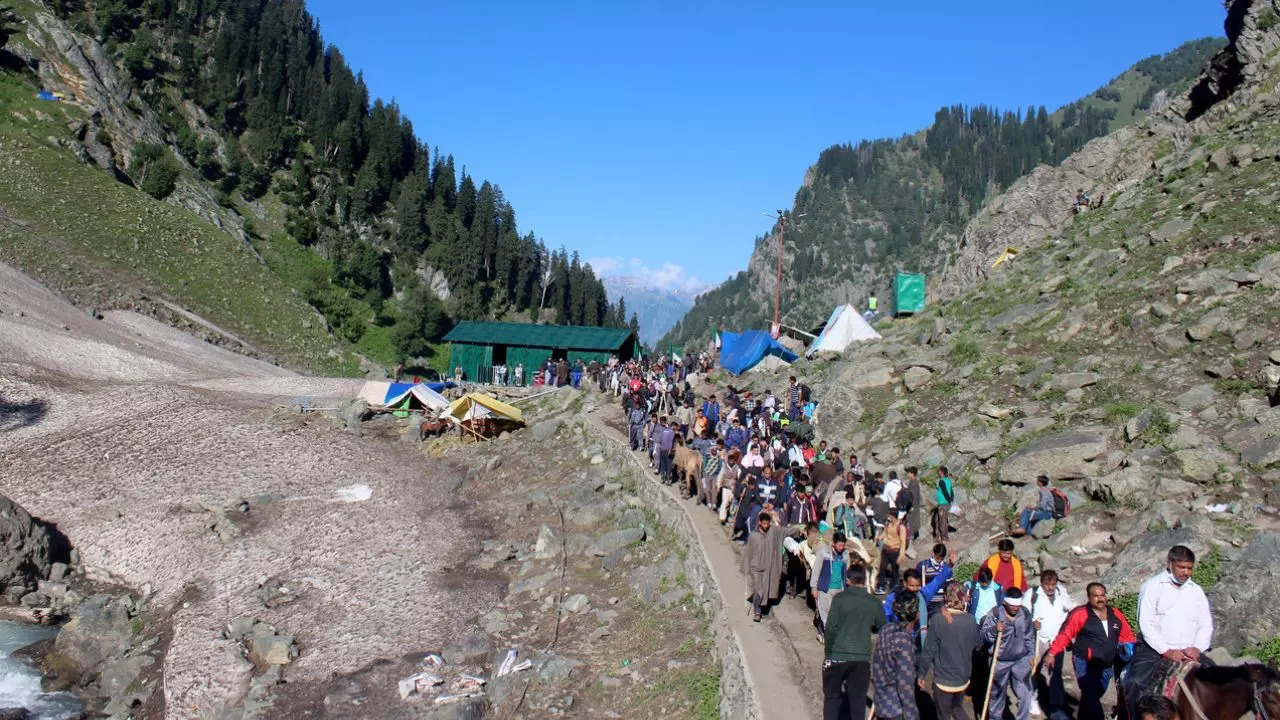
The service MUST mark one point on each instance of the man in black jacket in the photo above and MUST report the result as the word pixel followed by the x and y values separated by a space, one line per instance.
pixel 846 672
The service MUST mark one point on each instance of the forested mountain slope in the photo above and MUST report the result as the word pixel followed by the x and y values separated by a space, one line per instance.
pixel 901 204
pixel 239 114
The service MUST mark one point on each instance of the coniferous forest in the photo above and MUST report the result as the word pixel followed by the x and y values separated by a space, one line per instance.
pixel 288 119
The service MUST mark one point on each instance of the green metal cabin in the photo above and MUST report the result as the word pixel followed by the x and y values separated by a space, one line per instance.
pixel 477 346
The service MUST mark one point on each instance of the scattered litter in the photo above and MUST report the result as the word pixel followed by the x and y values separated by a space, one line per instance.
pixel 434 661
pixel 353 493
pixel 417 684
pixel 626 663
pixel 522 666
pixel 1219 508
pixel 467 682
pixel 446 699
pixel 507 664
pixel 1078 550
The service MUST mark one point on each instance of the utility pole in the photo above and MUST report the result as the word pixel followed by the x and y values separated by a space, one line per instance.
pixel 776 329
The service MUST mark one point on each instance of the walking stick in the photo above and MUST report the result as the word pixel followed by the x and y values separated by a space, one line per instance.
pixel 872 713
pixel 991 677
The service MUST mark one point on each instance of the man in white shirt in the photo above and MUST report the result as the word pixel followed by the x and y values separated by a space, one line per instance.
pixel 1174 621
pixel 1050 605
pixel 891 490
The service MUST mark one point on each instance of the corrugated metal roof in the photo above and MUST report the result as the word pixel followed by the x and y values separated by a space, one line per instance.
pixel 572 337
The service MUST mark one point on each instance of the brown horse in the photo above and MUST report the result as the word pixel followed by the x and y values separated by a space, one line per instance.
pixel 687 468
pixel 1228 692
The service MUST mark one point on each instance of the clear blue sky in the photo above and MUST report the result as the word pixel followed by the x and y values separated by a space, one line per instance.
pixel 652 133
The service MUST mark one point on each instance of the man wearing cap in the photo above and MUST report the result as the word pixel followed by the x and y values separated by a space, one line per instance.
pixel 1174 619
pixel 1010 623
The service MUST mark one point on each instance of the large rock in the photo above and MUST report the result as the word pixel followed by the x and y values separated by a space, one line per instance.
pixel 1197 398
pixel 1138 425
pixel 981 444
pixel 1145 555
pixel 617 540
pixel 1263 453
pixel 26 550
pixel 101 628
pixel 1245 612
pixel 1071 381
pixel 915 378
pixel 1062 457
pixel 546 429
pixel 1196 465
pixel 876 377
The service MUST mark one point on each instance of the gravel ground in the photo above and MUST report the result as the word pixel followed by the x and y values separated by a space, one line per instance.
pixel 110 427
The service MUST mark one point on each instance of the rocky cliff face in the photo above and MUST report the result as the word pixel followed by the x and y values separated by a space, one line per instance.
pixel 1039 206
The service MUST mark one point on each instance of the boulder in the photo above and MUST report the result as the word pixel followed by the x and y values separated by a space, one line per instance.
pixel 915 378
pixel 1062 456
pixel 354 413
pixel 876 377
pixel 1072 381
pixel 1043 529
pixel 546 429
pixel 1197 398
pixel 1196 465
pixel 101 628
pixel 557 668
pixel 27 549
pixel 1128 482
pixel 1213 281
pixel 981 444
pixel 547 545
pixel 618 539
pixel 1145 554
pixel 1245 613
pixel 1172 229
pixel 1263 453
pixel 1029 425
pixel 1137 425
pixel 632 518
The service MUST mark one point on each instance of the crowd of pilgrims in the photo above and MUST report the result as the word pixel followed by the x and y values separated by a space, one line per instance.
pixel 817 525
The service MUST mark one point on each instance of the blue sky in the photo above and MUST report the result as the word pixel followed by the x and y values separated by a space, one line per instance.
pixel 649 136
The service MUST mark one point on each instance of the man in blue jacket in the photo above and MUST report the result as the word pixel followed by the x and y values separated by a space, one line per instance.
pixel 711 409
pixel 737 437
pixel 911 582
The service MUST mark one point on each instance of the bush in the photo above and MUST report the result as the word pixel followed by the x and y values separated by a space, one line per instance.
pixel 154 169
pixel 1127 603
pixel 1267 652
pixel 965 352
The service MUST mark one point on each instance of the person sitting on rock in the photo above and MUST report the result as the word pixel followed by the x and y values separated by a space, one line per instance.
pixel 1041 510
pixel 1006 568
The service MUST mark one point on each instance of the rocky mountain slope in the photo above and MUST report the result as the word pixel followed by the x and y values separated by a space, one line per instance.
pixel 1131 353
pixel 656 309
pixel 881 206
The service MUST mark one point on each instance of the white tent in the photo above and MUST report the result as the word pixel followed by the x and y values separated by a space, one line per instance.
pixel 382 394
pixel 844 327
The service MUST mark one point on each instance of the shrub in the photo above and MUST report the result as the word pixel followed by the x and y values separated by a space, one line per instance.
pixel 965 351
pixel 1127 603
pixel 154 169
pixel 1267 652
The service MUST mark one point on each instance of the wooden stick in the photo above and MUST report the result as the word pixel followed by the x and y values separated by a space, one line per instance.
pixel 991 678
pixel 872 713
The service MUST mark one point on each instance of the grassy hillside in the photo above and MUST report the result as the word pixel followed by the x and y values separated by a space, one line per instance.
pixel 106 244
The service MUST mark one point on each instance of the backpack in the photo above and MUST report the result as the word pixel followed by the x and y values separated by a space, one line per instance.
pixel 1061 505
pixel 904 499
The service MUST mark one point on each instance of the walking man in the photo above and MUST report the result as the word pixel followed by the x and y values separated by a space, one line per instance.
pixel 1097 634
pixel 948 650
pixel 945 495
pixel 1011 624
pixel 762 563
pixel 846 670
pixel 828 579
pixel 1173 615
pixel 1050 604
pixel 893 667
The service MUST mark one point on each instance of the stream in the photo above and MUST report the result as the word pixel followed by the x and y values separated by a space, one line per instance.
pixel 20 683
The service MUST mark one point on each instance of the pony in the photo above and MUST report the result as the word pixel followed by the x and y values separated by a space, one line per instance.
pixel 687 468
pixel 1228 692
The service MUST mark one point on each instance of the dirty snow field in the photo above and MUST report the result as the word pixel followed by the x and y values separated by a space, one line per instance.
pixel 112 427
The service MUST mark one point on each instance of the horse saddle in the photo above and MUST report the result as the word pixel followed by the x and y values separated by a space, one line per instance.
pixel 1167 676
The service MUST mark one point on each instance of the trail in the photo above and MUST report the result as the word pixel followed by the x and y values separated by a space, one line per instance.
pixel 783 660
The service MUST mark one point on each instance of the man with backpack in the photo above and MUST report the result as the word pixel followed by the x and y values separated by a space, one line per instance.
pixel 1041 510
pixel 945 495
pixel 1010 626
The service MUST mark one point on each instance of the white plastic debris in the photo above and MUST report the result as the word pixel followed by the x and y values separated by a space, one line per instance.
pixel 446 699
pixel 433 661
pixel 1219 508
pixel 507 664
pixel 417 684
pixel 353 493
pixel 522 666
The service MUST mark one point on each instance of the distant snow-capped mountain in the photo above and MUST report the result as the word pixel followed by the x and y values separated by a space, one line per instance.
pixel 657 309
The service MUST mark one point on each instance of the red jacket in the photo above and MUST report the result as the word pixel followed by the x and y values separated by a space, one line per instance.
pixel 1089 641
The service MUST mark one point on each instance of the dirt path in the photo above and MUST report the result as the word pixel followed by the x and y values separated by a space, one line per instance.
pixel 783 660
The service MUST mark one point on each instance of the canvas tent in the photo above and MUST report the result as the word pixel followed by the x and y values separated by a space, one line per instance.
pixel 478 406
pixel 739 352
pixel 843 328
pixel 403 396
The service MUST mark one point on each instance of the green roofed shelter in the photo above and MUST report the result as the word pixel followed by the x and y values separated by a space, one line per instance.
pixel 477 347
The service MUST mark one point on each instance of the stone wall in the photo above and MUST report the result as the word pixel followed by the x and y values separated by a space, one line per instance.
pixel 737 695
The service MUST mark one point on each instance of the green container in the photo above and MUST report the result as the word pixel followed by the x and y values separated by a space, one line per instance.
pixel 909 293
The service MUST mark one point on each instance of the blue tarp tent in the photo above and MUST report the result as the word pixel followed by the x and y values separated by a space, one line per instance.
pixel 739 352
pixel 389 394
